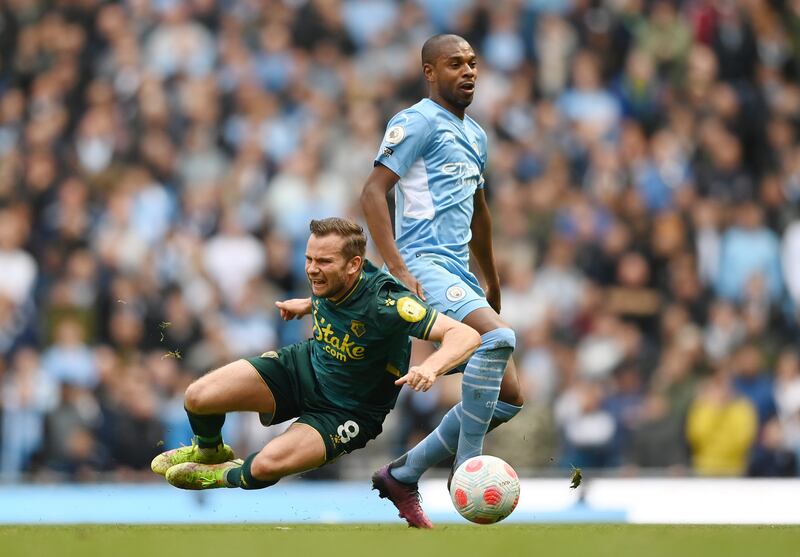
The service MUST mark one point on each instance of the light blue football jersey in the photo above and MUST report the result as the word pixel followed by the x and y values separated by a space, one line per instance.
pixel 440 160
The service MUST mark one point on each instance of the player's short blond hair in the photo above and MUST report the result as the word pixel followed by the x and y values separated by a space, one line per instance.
pixel 355 240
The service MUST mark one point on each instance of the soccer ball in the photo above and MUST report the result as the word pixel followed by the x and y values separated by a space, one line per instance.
pixel 485 489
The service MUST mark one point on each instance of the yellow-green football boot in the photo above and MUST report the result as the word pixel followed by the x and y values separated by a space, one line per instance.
pixel 214 455
pixel 193 475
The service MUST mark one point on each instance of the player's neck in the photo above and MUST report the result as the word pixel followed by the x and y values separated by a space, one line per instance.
pixel 458 112
pixel 347 289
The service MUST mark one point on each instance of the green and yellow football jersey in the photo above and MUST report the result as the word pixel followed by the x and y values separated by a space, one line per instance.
pixel 361 340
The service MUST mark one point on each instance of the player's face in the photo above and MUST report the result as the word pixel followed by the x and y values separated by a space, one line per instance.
pixel 455 73
pixel 329 272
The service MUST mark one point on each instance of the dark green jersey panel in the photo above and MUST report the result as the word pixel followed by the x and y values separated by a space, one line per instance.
pixel 361 341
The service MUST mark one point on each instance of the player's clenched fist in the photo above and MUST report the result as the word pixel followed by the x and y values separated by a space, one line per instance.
pixel 418 378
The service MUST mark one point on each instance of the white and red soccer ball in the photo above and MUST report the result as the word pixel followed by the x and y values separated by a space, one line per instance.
pixel 485 489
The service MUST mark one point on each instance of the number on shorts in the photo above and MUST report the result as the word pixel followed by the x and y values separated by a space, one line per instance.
pixel 347 431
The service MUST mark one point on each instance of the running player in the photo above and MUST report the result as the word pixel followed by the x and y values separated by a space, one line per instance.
pixel 434 156
pixel 340 384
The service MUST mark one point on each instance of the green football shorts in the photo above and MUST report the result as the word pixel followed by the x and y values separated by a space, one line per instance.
pixel 289 375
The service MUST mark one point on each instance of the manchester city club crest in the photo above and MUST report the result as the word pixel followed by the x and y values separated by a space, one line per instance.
pixel 358 328
pixel 455 293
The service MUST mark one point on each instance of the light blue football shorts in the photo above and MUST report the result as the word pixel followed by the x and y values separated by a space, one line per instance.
pixel 448 286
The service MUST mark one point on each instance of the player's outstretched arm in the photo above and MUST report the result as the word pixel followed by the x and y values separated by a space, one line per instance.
pixel 481 247
pixel 294 308
pixel 458 342
pixel 376 211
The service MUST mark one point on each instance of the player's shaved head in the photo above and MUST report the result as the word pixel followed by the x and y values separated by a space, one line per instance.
pixel 449 65
pixel 437 45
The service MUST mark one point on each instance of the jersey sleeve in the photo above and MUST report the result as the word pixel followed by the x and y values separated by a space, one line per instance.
pixel 401 312
pixel 406 137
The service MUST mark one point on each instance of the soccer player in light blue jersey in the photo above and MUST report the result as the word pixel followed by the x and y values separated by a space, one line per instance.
pixel 434 156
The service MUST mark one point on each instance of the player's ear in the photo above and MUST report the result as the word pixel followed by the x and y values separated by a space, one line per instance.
pixel 429 71
pixel 354 265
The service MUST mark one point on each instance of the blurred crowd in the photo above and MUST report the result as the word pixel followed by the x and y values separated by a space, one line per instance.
pixel 160 161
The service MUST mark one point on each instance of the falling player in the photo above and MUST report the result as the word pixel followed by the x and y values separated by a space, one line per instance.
pixel 340 384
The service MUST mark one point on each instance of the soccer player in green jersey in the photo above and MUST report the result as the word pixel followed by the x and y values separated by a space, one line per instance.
pixel 340 384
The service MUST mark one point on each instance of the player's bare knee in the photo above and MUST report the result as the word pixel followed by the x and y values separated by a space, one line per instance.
pixel 510 389
pixel 195 397
pixel 513 396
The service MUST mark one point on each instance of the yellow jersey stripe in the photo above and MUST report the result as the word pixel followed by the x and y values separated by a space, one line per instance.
pixel 430 325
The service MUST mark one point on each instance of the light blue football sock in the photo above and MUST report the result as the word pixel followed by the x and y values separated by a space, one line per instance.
pixel 503 413
pixel 480 388
pixel 438 445
pixel 442 442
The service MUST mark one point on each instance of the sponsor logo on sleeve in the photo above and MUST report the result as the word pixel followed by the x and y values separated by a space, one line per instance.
pixel 388 151
pixel 395 135
pixel 410 309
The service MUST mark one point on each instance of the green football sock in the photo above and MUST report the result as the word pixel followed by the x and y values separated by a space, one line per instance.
pixel 242 476
pixel 207 428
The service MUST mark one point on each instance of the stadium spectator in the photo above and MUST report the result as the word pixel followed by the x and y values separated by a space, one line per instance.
pixel 28 394
pixel 749 250
pixel 721 427
pixel 588 430
pixel 68 359
pixel 751 381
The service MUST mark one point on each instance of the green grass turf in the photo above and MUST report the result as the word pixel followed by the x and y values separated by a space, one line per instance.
pixel 302 540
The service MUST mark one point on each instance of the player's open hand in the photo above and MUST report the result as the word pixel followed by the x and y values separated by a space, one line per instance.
pixel 411 283
pixel 294 308
pixel 418 378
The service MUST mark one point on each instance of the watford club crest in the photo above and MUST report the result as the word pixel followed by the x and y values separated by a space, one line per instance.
pixel 358 328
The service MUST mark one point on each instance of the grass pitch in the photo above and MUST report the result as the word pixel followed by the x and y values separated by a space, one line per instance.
pixel 302 540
